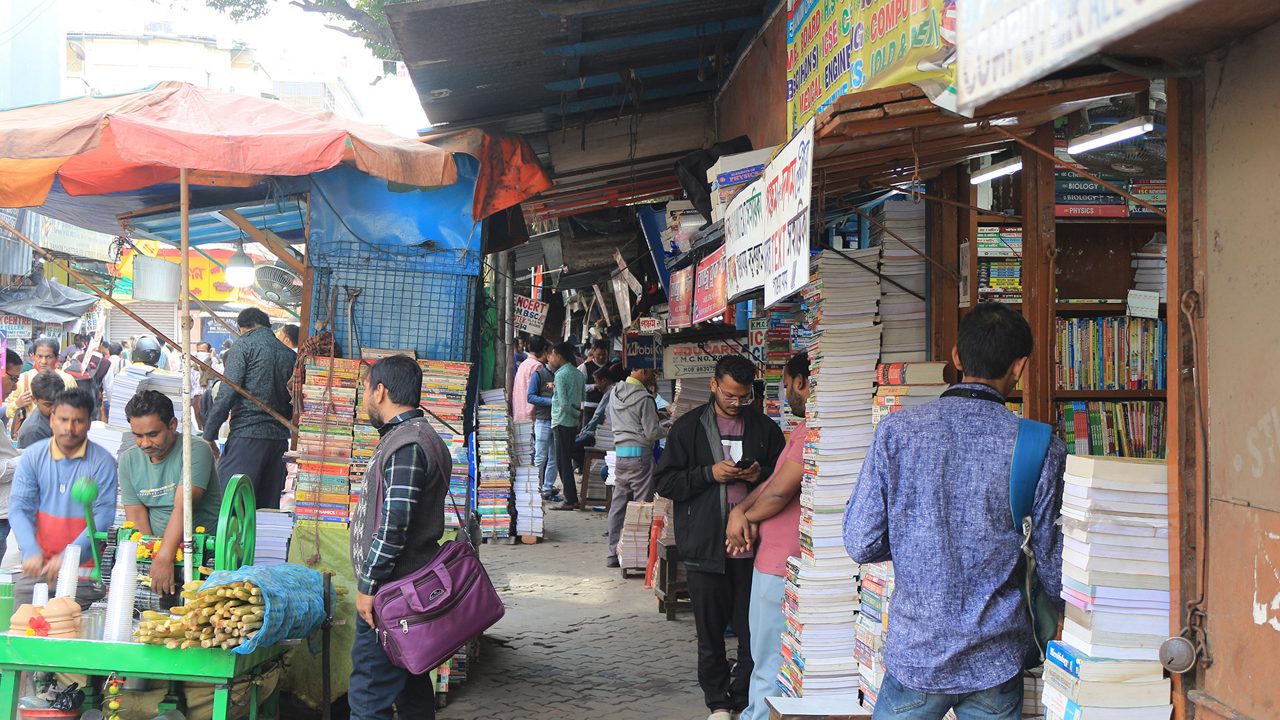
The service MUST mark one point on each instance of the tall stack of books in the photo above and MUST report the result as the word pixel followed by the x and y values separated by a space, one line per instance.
pixel 690 393
pixel 821 599
pixel 1151 267
pixel 493 492
pixel 1115 579
pixel 873 625
pixel 1110 353
pixel 777 351
pixel 633 544
pixel 1078 196
pixel 904 385
pixel 1127 429
pixel 135 378
pixel 1000 263
pixel 444 395
pixel 527 487
pixel 1155 192
pixel 323 490
pixel 273 532
pixel 905 271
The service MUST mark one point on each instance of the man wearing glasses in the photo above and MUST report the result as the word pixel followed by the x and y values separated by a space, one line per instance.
pixel 715 455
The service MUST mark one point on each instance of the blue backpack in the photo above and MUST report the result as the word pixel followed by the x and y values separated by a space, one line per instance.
pixel 1029 454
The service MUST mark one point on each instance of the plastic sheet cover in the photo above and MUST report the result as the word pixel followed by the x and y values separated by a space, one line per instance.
pixel 293 599
pixel 356 218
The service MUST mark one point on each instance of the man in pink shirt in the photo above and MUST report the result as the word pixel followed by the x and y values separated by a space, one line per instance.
pixel 771 513
pixel 521 410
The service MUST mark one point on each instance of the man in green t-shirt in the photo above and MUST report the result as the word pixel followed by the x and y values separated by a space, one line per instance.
pixel 151 481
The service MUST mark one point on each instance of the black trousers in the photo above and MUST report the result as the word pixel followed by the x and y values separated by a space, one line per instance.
pixel 720 600
pixel 377 685
pixel 262 460
pixel 564 440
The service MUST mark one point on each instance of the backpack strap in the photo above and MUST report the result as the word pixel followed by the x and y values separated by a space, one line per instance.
pixel 1029 453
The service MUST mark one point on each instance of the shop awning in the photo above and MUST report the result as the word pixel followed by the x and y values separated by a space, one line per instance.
pixel 120 143
pixel 897 133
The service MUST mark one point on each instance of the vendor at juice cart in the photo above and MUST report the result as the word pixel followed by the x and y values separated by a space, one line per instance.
pixel 44 516
pixel 151 482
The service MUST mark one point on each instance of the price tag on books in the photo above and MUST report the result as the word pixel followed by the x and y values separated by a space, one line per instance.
pixel 1144 304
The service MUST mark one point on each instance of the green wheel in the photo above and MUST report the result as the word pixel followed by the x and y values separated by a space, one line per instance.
pixel 237 526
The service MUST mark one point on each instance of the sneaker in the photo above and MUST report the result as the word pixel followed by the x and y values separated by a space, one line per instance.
pixel 565 506
pixel 553 498
pixel 720 715
pixel 612 562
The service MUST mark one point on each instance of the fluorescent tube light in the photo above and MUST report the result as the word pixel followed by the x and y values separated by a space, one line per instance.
pixel 1111 135
pixel 1008 167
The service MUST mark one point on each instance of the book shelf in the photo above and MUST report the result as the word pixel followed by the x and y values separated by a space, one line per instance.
pixel 1072 269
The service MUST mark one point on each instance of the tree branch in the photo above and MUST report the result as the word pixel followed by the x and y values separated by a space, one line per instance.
pixel 355 33
pixel 371 30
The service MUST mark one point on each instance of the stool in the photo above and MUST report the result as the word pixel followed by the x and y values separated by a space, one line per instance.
pixel 584 482
pixel 672 592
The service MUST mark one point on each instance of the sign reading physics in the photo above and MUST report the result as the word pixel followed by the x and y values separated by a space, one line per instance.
pixel 680 300
pixel 530 315
pixel 709 298
pixel 744 241
pixel 695 360
pixel 1005 44
pixel 788 190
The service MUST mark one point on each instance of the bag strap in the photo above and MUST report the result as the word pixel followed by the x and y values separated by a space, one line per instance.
pixel 1029 452
pixel 462 526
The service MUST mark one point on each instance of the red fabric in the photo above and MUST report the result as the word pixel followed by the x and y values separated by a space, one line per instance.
pixel 509 170
pixel 780 534
pixel 54 534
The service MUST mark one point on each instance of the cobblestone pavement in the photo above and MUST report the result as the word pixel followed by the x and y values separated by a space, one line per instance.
pixel 578 641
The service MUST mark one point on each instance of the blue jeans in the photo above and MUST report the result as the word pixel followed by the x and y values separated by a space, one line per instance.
pixel 544 458
pixel 377 685
pixel 899 702
pixel 766 620
pixel 4 537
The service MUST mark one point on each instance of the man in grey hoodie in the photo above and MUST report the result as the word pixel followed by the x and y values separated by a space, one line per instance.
pixel 633 416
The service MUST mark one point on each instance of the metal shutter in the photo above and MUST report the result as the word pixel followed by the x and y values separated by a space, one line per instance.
pixel 164 316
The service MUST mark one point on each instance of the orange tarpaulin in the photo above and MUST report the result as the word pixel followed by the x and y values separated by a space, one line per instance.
pixel 126 142
pixel 509 171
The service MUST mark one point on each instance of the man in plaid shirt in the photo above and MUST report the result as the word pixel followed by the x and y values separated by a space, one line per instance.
pixel 395 531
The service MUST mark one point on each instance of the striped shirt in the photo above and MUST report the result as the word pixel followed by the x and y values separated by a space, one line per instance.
pixel 405 475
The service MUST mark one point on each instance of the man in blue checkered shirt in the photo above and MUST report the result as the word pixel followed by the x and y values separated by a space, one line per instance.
pixel 395 531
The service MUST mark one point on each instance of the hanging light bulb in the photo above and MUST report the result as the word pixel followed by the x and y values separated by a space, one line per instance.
pixel 240 268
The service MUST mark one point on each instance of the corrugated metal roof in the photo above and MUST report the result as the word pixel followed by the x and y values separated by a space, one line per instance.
pixel 208 225
pixel 529 66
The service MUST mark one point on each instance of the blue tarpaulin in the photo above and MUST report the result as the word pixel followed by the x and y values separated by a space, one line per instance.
pixel 293 598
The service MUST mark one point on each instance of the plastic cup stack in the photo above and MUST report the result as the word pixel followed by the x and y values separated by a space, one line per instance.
pixel 124 588
pixel 40 594
pixel 69 574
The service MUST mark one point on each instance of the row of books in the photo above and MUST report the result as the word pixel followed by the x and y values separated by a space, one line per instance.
pixel 494 465
pixel 444 396
pixel 1133 429
pixel 1115 581
pixel 330 390
pixel 1077 196
pixel 781 318
pixel 1110 353
pixel 905 271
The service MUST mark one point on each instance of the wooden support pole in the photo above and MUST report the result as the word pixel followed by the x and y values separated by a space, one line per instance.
pixel 267 239
pixel 1039 246
pixel 184 340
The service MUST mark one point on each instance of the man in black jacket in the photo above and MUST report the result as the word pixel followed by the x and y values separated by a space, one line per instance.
pixel 715 455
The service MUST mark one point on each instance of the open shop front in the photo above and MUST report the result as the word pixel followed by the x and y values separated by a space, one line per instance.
pixel 414 217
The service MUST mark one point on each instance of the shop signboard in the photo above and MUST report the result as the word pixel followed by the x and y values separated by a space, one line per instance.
pixel 744 241
pixel 530 315
pixel 837 47
pixel 695 360
pixel 649 325
pixel 788 189
pixel 1005 44
pixel 16 326
pixel 66 238
pixel 680 300
pixel 757 337
pixel 641 352
pixel 709 298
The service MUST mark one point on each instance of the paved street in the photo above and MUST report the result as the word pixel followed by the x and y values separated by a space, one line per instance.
pixel 578 642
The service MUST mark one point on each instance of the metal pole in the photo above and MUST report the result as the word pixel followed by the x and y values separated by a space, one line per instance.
pixel 184 341
pixel 506 260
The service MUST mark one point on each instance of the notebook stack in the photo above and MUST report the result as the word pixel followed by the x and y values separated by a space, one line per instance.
pixel 135 378
pixel 821 602
pixel 777 351
pixel 1033 697
pixel 527 487
pixel 444 394
pixel 323 489
pixel 633 544
pixel 873 625
pixel 905 272
pixel 114 440
pixel 493 493
pixel 1115 579
pixel 1151 267
pixel 904 385
pixel 274 528
pixel 690 393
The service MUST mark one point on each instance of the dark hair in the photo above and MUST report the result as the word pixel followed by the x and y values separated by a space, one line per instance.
pixel 402 378
pixel 291 332
pixel 565 350
pixel 204 343
pixel 536 345
pixel 47 385
pixel 12 358
pixel 613 373
pixel 798 365
pixel 992 336
pixel 602 344
pixel 742 370
pixel 78 399
pixel 48 342
pixel 149 402
pixel 252 317
pixel 115 348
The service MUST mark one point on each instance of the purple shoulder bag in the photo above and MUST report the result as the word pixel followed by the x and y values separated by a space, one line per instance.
pixel 423 618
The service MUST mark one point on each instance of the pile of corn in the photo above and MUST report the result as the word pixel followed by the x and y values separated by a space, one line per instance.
pixel 220 617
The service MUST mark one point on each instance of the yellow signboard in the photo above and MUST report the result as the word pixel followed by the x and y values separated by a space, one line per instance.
pixel 208 282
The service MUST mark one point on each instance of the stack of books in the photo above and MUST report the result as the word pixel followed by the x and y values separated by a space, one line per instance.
pixel 135 378
pixel 904 385
pixel 323 489
pixel 1078 196
pixel 690 393
pixel 1078 686
pixel 1110 353
pixel 781 319
pixel 633 545
pixel 1151 267
pixel 1033 697
pixel 905 273
pixel 444 395
pixel 1127 429
pixel 873 625
pixel 1000 263
pixel 1155 192
pixel 1115 557
pixel 527 487
pixel 274 529
pixel 114 440
pixel 493 493
pixel 821 604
